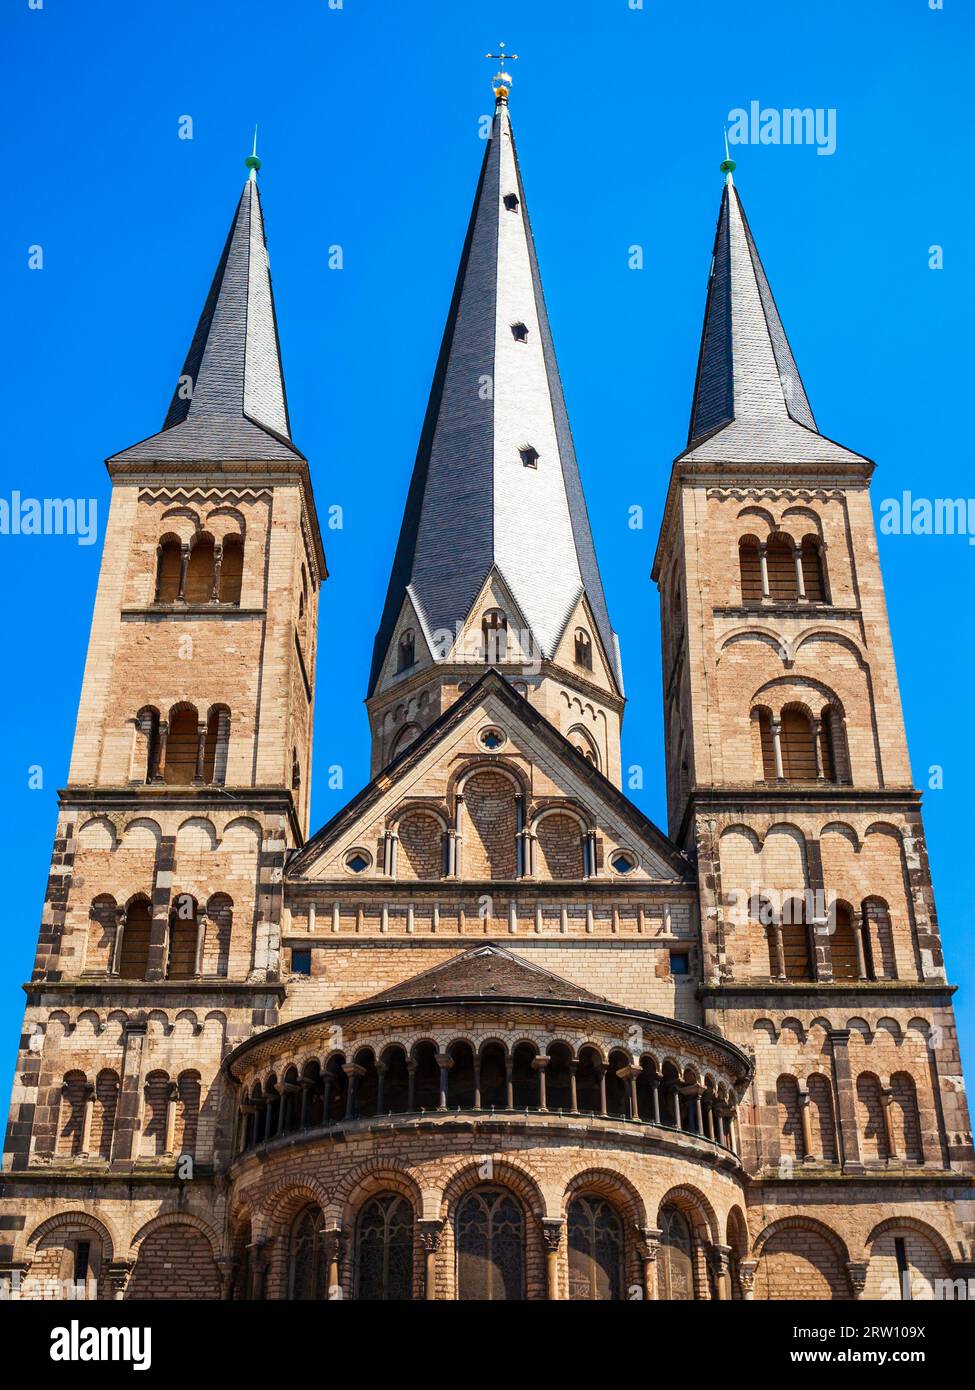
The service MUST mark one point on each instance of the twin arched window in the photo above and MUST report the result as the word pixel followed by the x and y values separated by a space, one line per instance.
pixel 199 571
pixel 583 649
pixel 406 651
pixel 860 944
pixel 797 746
pixel 780 570
pixel 494 631
pixel 182 749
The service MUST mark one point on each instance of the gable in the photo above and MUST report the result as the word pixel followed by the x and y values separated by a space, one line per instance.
pixel 493 748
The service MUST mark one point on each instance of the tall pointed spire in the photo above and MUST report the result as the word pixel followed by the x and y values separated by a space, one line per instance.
pixel 496 487
pixel 749 401
pixel 230 401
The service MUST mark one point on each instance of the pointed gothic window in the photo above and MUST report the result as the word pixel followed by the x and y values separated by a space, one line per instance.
pixel 384 1249
pixel 519 332
pixel 511 202
pixel 529 456
pixel 595 1251
pixel 583 643
pixel 406 651
pixel 490 1246
pixel 309 1262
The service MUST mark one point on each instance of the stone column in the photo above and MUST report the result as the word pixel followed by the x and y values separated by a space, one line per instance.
pixel 159 772
pixel 444 1062
pixel 201 743
pixel 307 1086
pixel 601 1073
pixel 721 1269
pixel 540 1065
pixel 328 1081
pixel 747 1269
pixel 763 568
pixel 573 1087
pixel 430 1233
pixel 184 560
pixel 552 1228
pixel 886 1097
pixel 817 729
pixel 509 1070
pixel 630 1074
pixel 777 748
pixel 353 1071
pixel 800 577
pixel 118 1277
pixel 477 1081
pixel 411 1085
pixel 87 1116
pixel 217 564
pixel 172 1096
pixel 334 1242
pixel 381 1088
pixel 648 1244
pixel 805 1120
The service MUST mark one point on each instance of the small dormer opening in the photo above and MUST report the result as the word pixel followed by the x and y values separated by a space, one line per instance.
pixel 511 202
pixel 529 456
pixel 519 331
pixel 406 651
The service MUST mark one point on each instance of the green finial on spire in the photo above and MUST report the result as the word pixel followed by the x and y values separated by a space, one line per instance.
pixel 252 161
pixel 728 165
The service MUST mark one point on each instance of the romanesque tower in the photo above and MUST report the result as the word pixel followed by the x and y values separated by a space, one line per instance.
pixel 189 781
pixel 788 778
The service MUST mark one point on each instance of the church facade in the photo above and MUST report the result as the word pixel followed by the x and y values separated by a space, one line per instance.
pixel 489 1033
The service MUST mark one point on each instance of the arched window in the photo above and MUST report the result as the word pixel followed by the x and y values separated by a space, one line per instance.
pixel 406 651
pixel 750 569
pixel 216 746
pixel 905 1120
pixel 102 926
pixel 407 735
pixel 169 563
pixel 490 1238
pixel 308 1256
pixel 494 630
pixel 583 644
pixel 188 1093
pixel 133 957
pixel 384 1249
pixel 789 1124
pixel 199 571
pixel 147 742
pixel 798 746
pixel 559 843
pixel 766 741
pixel 232 569
pixel 103 1117
pixel 184 931
pixel 870 1105
pixel 219 929
pixel 181 747
pixel 843 946
pixel 795 941
pixel 595 1250
pixel 813 569
pixel 675 1262
pixel 878 941
pixel 156 1100
pixel 71 1114
pixel 781 565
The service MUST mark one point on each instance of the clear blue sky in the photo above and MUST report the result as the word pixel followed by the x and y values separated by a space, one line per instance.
pixel 369 135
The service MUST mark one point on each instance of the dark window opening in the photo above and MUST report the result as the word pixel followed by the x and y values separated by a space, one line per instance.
pixel 529 456
pixel 357 863
pixel 520 332
pixel 82 1260
pixel 680 963
pixel 903 1268
pixel 406 652
pixel 301 962
pixel 511 202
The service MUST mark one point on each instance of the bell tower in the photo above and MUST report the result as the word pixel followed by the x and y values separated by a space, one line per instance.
pixel 787 764
pixel 190 771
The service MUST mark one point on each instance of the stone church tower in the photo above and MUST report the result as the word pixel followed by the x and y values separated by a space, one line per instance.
pixel 489 1034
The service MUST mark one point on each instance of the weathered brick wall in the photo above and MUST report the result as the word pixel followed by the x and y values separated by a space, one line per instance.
pixel 174 1262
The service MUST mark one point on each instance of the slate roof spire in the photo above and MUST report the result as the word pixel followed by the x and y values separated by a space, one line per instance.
pixel 229 401
pixel 750 404
pixel 495 484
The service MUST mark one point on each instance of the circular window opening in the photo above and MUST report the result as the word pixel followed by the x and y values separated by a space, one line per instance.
pixel 623 862
pixel 357 860
pixel 493 738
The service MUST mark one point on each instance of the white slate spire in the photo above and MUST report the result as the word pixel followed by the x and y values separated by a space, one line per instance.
pixel 496 485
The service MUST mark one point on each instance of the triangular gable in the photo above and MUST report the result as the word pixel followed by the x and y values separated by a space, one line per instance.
pixel 488 971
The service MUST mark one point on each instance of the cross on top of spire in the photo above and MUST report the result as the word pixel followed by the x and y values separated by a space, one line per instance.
pixel 501 81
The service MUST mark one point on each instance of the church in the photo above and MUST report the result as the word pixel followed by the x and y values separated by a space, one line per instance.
pixel 489 1033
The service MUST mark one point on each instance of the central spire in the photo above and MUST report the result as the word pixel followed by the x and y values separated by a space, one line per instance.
pixel 496 497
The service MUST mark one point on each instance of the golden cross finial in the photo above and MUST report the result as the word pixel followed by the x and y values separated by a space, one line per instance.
pixel 502 80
